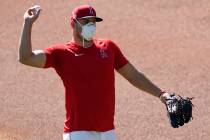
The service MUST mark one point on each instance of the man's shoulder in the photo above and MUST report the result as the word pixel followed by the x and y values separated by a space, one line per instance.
pixel 99 40
pixel 103 42
pixel 56 47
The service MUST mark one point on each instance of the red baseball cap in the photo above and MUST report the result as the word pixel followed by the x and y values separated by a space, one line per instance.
pixel 85 11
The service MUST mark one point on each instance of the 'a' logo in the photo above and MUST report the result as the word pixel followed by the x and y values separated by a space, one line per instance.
pixel 103 53
pixel 91 12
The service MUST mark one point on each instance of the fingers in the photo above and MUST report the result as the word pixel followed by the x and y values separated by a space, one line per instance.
pixel 32 13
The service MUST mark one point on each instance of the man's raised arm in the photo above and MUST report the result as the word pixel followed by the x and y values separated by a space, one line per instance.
pixel 35 58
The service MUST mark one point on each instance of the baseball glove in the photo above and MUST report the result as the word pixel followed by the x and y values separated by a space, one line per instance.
pixel 179 110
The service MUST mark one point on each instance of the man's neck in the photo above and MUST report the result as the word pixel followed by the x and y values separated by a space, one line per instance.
pixel 85 44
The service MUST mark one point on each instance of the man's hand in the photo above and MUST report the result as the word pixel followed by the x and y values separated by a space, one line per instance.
pixel 32 14
pixel 164 96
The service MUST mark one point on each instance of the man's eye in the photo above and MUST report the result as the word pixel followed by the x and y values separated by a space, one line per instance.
pixel 86 22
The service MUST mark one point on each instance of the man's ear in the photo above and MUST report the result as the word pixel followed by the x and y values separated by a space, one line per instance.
pixel 72 22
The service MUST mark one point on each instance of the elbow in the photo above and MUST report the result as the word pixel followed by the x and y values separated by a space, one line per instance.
pixel 132 79
pixel 21 60
pixel 136 79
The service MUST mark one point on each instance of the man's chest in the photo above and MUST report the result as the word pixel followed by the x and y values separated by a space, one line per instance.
pixel 94 63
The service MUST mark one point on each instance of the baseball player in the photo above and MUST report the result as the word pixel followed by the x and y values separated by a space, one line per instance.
pixel 86 66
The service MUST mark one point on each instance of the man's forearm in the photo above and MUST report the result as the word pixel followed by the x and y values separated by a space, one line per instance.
pixel 25 49
pixel 143 83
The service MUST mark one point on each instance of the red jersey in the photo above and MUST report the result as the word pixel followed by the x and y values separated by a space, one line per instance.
pixel 88 78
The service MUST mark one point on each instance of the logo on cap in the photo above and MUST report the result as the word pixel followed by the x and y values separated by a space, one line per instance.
pixel 91 12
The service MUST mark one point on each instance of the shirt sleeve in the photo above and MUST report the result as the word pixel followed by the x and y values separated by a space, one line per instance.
pixel 51 57
pixel 119 59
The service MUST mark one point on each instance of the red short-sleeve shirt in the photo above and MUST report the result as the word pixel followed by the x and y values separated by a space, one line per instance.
pixel 88 78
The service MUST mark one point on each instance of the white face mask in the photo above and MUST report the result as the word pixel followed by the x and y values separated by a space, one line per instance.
pixel 88 31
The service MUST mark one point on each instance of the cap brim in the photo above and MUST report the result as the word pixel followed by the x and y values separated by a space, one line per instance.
pixel 98 19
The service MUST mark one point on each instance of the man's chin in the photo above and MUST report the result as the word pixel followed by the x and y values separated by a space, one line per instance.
pixel 90 40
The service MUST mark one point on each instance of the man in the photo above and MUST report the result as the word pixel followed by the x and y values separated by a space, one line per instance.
pixel 86 67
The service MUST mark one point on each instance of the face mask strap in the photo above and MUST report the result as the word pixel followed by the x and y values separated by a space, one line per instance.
pixel 78 22
pixel 83 40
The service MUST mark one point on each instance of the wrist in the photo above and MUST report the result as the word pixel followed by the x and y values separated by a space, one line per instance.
pixel 27 23
pixel 161 93
pixel 161 97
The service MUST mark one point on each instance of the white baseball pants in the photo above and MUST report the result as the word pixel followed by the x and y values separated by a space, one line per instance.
pixel 90 135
